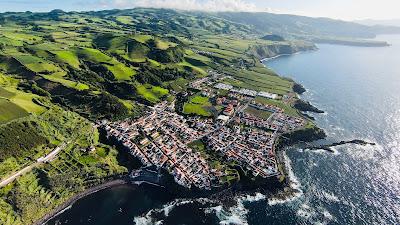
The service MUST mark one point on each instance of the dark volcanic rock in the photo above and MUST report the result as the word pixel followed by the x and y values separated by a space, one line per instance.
pixel 304 135
pixel 306 107
pixel 328 147
pixel 298 88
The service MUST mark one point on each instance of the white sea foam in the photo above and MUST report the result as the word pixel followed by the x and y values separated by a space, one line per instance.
pixel 144 220
pixel 319 151
pixel 58 213
pixel 330 196
pixel 166 209
pixel 236 214
pixel 305 211
pixel 293 183
pixel 327 215
pixel 256 198
pixel 170 206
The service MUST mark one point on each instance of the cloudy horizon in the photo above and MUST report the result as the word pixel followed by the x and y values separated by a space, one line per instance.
pixel 339 9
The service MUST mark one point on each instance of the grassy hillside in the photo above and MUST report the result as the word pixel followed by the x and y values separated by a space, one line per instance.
pixel 48 185
pixel 61 72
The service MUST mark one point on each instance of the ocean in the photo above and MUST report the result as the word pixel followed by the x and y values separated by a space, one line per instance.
pixel 359 90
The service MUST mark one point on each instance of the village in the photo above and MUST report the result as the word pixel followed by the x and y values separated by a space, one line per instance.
pixel 162 136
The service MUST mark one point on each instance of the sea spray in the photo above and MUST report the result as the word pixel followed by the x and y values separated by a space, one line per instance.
pixel 145 220
pixel 294 184
pixel 156 216
pixel 236 214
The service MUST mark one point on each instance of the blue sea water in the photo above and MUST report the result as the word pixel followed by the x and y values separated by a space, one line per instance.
pixel 359 89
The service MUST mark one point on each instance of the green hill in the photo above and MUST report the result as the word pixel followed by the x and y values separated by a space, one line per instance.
pixel 62 71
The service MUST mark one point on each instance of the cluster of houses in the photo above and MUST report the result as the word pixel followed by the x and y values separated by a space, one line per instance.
pixel 266 107
pixel 255 121
pixel 279 122
pixel 252 148
pixel 288 123
pixel 160 138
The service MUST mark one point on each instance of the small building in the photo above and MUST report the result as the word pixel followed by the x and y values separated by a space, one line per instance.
pixel 223 118
pixel 229 110
pixel 267 95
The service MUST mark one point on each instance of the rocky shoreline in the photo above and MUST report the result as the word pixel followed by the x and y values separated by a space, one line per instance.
pixel 328 147
pixel 298 88
pixel 270 187
pixel 305 106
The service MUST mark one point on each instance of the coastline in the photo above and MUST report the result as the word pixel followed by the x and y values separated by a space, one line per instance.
pixel 71 201
pixel 281 55
pixel 266 59
pixel 288 190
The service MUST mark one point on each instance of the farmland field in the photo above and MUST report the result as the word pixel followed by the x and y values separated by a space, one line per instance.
pixel 10 111
pixel 152 93
pixel 62 72
pixel 198 105
pixel 68 57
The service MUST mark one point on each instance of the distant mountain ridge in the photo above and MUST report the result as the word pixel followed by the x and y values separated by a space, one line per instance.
pixel 251 23
pixel 372 22
pixel 302 26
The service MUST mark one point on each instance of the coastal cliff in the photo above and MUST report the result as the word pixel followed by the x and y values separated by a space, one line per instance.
pixel 306 106
pixel 307 134
pixel 269 51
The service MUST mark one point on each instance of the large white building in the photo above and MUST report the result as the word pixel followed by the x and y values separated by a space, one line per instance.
pixel 267 95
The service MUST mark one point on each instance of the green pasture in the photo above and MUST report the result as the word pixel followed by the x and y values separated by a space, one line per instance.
pixel 151 93
pixel 198 105
pixel 10 111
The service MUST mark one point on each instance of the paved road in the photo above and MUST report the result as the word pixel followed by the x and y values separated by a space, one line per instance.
pixel 41 160
pixel 17 174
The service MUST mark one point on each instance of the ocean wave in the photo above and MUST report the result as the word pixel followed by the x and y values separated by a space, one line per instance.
pixel 294 184
pixel 171 206
pixel 58 213
pixel 235 215
pixel 146 219
pixel 256 198
pixel 165 210
pixel 330 196
pixel 327 215
pixel 312 215
pixel 305 211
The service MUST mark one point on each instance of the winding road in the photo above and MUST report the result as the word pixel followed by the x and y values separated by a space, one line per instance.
pixel 47 158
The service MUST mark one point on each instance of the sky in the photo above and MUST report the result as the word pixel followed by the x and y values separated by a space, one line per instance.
pixel 338 9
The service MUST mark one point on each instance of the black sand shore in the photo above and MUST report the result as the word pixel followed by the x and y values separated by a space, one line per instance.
pixel 72 200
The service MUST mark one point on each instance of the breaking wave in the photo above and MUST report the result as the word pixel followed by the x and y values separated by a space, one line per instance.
pixel 149 217
pixel 294 184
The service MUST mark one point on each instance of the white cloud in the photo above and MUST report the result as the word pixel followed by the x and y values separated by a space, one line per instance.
pixel 200 5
